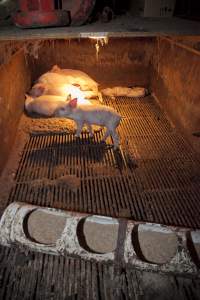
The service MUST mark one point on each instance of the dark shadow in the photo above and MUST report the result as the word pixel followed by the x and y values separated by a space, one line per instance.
pixel 67 148
pixel 136 244
pixel 119 159
pixel 192 250
pixel 124 160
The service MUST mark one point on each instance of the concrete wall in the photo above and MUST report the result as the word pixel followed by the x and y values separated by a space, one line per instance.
pixel 14 82
pixel 120 61
pixel 176 83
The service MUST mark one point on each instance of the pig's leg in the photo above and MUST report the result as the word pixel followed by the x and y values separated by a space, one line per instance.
pixel 100 97
pixel 106 135
pixel 79 126
pixel 115 139
pixel 113 124
pixel 90 130
pixel 112 131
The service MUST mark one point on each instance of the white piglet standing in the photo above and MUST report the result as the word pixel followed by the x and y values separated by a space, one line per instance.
pixel 92 115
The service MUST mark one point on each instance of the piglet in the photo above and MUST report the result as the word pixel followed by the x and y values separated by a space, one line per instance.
pixel 91 115
pixel 45 105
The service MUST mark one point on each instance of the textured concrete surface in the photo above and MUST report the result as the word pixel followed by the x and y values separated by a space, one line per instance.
pixel 100 234
pixel 157 247
pixel 66 238
pixel 45 227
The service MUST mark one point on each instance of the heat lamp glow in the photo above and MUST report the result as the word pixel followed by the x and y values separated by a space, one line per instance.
pixel 75 92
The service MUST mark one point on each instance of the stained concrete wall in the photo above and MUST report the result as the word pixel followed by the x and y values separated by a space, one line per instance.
pixel 175 81
pixel 14 82
pixel 121 61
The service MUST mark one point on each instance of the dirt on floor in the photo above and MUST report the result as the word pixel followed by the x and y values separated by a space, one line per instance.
pixel 70 181
pixel 26 126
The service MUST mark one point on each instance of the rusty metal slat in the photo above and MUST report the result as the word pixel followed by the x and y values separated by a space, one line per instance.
pixel 108 204
pixel 103 200
pixel 80 157
pixel 96 197
pixel 23 161
pixel 93 196
pixel 111 197
pixel 188 212
pixel 134 206
pixel 85 197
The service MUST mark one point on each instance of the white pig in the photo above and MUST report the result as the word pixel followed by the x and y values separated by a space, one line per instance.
pixel 92 115
pixel 78 77
pixel 40 89
pixel 55 83
pixel 45 105
pixel 66 90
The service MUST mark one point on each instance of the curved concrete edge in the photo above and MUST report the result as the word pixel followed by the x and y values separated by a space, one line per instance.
pixel 12 233
pixel 180 263
pixel 18 236
pixel 71 246
pixel 6 223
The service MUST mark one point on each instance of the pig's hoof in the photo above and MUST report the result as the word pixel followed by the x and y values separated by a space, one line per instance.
pixel 116 147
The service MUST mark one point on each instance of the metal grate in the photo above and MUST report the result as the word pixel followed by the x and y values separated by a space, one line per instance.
pixel 163 188
pixel 36 276
pixel 154 177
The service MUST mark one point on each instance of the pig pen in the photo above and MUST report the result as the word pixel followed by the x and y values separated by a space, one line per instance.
pixel 154 177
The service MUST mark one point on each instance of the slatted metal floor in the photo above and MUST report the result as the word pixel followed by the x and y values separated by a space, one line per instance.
pixel 154 177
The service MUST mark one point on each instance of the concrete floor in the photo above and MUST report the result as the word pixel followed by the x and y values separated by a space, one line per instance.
pixel 125 25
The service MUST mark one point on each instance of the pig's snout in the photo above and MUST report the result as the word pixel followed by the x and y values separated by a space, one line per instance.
pixel 57 113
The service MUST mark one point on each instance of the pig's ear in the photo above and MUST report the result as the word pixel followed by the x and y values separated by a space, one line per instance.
pixel 73 103
pixel 27 96
pixel 69 98
pixel 55 68
pixel 41 87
